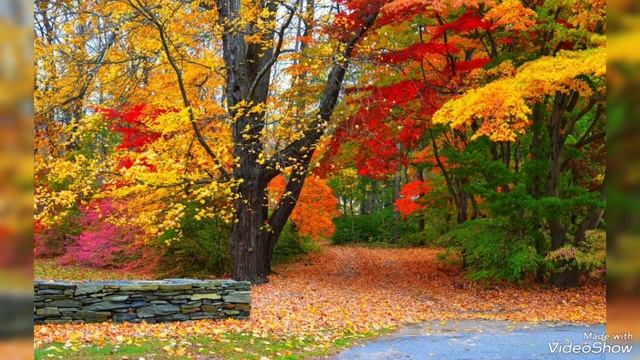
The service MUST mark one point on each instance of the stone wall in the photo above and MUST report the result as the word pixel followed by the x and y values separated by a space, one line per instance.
pixel 135 301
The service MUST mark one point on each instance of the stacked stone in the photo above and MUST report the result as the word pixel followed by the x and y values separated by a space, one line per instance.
pixel 136 301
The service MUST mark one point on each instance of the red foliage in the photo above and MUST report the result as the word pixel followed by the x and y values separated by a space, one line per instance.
pixel 378 155
pixel 564 23
pixel 376 167
pixel 411 132
pixel 401 10
pixel 472 64
pixel 415 189
pixel 465 23
pixel 566 45
pixel 418 51
pixel 398 93
pixel 385 135
pixel 130 124
pixel 353 16
pixel 408 204
pixel 126 163
pixel 505 40
pixel 315 210
pixel 47 242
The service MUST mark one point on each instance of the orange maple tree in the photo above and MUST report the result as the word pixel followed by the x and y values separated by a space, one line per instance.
pixel 315 210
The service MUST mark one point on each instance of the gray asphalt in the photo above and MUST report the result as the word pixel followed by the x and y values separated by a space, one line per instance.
pixel 485 339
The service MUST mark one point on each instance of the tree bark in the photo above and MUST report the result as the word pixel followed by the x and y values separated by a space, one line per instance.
pixel 248 244
pixel 556 229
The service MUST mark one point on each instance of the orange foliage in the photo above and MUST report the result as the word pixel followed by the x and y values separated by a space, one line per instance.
pixel 316 207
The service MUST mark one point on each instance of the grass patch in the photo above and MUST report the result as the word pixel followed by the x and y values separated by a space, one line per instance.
pixel 225 346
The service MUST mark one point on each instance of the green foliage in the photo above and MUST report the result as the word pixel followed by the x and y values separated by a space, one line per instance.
pixel 592 254
pixel 588 257
pixel 377 227
pixel 432 231
pixel 203 249
pixel 415 239
pixel 291 246
pixel 490 250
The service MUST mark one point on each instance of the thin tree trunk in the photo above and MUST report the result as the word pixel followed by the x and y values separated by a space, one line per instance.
pixel 557 230
pixel 421 221
pixel 396 215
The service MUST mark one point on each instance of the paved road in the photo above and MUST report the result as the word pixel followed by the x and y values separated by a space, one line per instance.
pixel 481 339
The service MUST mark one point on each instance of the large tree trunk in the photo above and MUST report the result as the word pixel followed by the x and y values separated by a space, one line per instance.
pixel 248 72
pixel 569 277
pixel 247 235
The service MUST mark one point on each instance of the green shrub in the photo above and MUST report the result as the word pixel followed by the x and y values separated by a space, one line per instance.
pixel 490 251
pixel 592 254
pixel 291 246
pixel 422 238
pixel 202 250
pixel 377 227
pixel 588 258
pixel 413 239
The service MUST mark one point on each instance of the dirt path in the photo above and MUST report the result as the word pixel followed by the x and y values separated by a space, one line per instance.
pixel 363 288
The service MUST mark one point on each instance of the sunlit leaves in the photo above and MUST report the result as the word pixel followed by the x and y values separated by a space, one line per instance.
pixel 503 106
pixel 512 15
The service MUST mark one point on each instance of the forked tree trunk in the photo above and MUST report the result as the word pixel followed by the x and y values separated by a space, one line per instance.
pixel 248 71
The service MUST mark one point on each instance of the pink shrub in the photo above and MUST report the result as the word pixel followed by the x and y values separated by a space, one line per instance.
pixel 105 245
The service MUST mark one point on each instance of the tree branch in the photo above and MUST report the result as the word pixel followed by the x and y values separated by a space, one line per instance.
pixel 183 91
pixel 277 52
pixel 304 147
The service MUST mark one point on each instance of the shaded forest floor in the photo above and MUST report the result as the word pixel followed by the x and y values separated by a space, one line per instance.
pixel 328 300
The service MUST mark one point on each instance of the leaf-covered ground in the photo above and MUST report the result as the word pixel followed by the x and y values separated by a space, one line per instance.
pixel 49 269
pixel 341 293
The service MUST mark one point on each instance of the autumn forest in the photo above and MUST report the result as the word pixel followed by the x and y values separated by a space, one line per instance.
pixel 248 139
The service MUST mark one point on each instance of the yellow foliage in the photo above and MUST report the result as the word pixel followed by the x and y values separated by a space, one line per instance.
pixel 511 14
pixel 503 106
